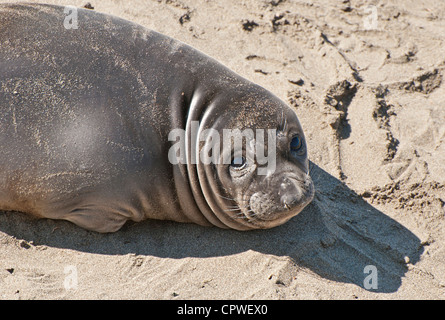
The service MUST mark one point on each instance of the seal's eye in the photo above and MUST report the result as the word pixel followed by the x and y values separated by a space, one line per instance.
pixel 238 163
pixel 296 144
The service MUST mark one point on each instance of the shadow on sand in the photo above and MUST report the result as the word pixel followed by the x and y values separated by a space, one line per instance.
pixel 336 236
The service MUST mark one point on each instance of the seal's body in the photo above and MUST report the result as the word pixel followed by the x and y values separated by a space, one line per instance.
pixel 85 116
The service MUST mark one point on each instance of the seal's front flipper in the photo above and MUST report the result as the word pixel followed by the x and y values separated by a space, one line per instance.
pixel 96 219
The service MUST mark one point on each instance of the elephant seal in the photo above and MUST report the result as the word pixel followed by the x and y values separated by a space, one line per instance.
pixel 85 118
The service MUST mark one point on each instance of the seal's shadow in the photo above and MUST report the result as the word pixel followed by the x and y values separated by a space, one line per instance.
pixel 336 236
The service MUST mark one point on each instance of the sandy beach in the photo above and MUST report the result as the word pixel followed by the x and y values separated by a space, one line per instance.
pixel 366 79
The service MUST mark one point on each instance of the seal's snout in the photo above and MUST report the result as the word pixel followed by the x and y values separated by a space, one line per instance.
pixel 290 193
pixel 295 193
pixel 292 196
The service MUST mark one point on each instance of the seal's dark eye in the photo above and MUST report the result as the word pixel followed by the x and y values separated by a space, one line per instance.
pixel 238 163
pixel 296 144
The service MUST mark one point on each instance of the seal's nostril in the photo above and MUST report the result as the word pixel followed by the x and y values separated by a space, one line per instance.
pixel 289 201
pixel 286 186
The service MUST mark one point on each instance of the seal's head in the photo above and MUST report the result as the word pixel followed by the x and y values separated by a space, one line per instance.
pixel 260 178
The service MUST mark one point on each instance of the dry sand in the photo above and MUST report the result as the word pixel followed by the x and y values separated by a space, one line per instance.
pixel 371 98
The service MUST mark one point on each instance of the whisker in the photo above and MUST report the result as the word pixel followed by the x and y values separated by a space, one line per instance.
pixel 237 206
pixel 225 197
pixel 245 217
pixel 241 215
pixel 231 199
pixel 234 209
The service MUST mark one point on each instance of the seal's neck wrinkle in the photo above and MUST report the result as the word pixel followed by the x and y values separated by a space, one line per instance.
pixel 198 104
pixel 211 188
